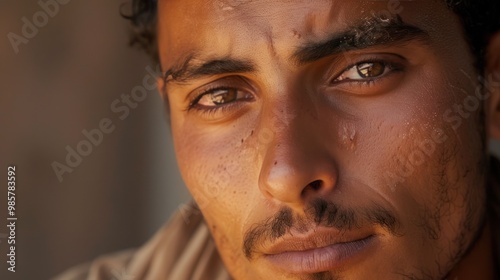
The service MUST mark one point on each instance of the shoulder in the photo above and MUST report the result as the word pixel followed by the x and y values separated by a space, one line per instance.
pixel 181 249
pixel 108 267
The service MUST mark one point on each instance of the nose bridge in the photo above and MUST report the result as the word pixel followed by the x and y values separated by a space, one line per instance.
pixel 295 163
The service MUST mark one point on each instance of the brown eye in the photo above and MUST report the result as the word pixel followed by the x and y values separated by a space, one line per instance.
pixel 365 71
pixel 370 69
pixel 223 96
pixel 220 98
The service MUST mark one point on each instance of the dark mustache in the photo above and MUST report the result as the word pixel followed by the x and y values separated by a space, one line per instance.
pixel 321 213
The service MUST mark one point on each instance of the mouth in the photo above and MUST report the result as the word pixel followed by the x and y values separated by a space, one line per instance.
pixel 318 252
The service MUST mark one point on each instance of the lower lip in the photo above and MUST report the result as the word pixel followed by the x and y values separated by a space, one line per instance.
pixel 320 259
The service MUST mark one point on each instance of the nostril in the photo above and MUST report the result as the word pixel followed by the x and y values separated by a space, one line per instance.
pixel 313 186
pixel 316 185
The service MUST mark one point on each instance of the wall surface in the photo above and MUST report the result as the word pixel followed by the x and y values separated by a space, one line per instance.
pixel 53 86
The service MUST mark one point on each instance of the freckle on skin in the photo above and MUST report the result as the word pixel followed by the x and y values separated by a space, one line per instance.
pixel 296 34
pixel 348 136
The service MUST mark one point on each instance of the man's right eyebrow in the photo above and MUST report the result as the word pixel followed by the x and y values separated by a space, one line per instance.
pixel 188 70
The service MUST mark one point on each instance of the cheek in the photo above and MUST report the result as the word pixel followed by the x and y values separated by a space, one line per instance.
pixel 218 167
pixel 419 131
pixel 429 167
pixel 424 163
pixel 208 160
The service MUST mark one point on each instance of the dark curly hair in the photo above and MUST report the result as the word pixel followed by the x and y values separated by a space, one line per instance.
pixel 143 18
pixel 480 19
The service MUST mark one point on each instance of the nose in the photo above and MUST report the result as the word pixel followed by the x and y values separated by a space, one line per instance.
pixel 298 165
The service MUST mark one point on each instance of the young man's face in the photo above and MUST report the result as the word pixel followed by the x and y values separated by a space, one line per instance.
pixel 327 139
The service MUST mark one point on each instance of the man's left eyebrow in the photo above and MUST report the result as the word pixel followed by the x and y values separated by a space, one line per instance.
pixel 190 70
pixel 372 32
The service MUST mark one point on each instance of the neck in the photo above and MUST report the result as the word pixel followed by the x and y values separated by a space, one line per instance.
pixel 479 262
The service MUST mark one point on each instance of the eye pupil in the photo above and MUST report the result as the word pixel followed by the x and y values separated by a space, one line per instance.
pixel 371 69
pixel 223 96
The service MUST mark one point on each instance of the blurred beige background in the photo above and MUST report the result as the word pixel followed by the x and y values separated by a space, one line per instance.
pixel 61 82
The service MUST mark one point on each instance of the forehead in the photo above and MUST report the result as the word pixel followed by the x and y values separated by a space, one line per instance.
pixel 222 28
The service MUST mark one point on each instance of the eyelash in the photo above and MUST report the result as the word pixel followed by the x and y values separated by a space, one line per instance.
pixel 209 90
pixel 369 82
pixel 210 111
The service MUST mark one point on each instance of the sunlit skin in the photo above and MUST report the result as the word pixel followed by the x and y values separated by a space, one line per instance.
pixel 270 132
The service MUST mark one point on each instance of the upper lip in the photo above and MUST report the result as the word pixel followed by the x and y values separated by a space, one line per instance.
pixel 314 239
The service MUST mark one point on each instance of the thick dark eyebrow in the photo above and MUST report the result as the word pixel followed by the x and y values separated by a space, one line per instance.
pixel 187 70
pixel 371 32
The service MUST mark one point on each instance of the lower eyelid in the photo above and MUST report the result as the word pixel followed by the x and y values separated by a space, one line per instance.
pixel 212 112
